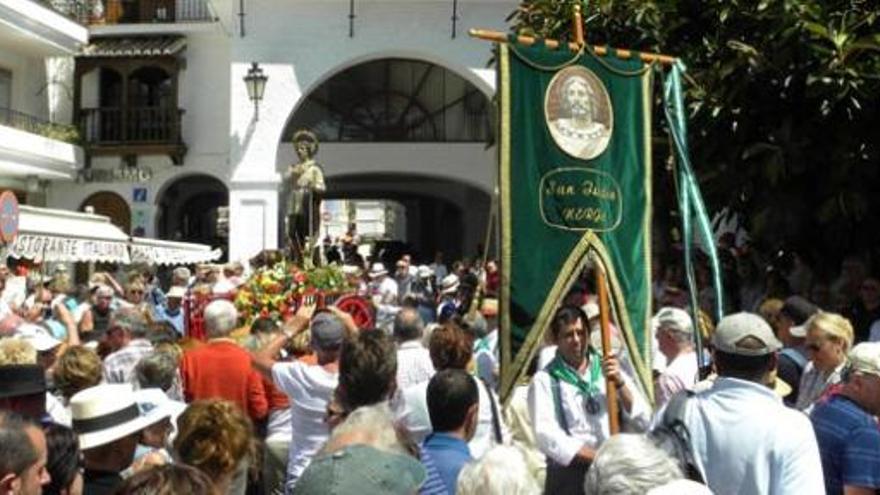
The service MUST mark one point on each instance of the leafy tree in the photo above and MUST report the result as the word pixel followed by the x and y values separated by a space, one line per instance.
pixel 784 98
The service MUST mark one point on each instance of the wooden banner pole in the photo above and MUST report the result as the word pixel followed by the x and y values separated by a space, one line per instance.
pixel 578 27
pixel 604 319
pixel 500 37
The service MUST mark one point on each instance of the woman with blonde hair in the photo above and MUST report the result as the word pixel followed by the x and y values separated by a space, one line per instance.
pixel 828 340
pixel 217 438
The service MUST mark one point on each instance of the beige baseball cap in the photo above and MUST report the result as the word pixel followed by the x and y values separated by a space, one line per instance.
pixel 732 329
pixel 865 358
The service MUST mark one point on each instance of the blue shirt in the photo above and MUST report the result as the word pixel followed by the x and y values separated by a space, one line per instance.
pixel 443 456
pixel 176 319
pixel 849 443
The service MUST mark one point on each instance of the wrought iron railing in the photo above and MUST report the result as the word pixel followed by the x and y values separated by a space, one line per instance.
pixel 134 125
pixel 36 125
pixel 134 11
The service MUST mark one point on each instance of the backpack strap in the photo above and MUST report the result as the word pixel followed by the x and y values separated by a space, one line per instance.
pixel 496 422
pixel 557 402
pixel 674 413
pixel 673 422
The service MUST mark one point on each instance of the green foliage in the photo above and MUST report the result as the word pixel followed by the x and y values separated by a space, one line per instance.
pixel 60 132
pixel 784 100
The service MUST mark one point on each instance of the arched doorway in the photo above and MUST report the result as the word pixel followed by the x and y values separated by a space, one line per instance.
pixel 376 121
pixel 437 215
pixel 395 100
pixel 193 209
pixel 112 205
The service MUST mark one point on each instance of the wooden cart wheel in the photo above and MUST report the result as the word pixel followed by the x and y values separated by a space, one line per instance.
pixel 359 308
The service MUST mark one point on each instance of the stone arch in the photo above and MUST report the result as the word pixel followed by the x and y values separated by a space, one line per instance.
pixel 110 204
pixel 466 73
pixel 188 208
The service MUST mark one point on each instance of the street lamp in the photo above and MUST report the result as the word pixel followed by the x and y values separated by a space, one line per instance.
pixel 255 81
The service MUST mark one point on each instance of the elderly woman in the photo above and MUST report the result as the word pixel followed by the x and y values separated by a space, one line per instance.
pixel 829 338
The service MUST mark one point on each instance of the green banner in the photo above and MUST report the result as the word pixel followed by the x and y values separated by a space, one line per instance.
pixel 575 177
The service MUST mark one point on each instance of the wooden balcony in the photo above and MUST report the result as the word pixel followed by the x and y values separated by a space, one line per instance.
pixel 132 131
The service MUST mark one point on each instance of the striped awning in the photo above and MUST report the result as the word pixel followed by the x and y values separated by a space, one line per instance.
pixel 134 46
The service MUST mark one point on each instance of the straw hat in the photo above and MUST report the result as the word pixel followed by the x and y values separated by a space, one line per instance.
pixel 377 270
pixel 449 285
pixel 105 413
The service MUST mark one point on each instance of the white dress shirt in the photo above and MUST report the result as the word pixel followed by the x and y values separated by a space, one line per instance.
pixel 813 384
pixel 585 429
pixel 411 412
pixel 746 441
pixel 413 364
pixel 680 374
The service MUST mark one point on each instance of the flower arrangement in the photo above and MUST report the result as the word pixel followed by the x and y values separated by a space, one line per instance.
pixel 276 291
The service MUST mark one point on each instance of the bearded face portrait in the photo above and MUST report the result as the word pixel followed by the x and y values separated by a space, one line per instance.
pixel 578 112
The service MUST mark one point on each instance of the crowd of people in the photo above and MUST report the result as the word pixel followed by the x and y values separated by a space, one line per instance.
pixel 103 391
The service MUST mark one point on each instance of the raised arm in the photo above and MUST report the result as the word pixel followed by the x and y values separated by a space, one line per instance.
pixel 265 358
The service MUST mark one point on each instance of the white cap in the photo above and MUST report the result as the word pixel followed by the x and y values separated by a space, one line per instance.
pixel 37 336
pixel 865 358
pixel 678 319
pixel 176 292
pixel 734 328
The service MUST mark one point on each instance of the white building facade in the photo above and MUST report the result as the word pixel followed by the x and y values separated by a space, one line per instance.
pixel 173 141
pixel 37 45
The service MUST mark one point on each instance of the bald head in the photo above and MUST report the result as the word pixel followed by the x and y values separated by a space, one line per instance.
pixel 408 325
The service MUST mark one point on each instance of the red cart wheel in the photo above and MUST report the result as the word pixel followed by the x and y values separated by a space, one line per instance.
pixel 359 308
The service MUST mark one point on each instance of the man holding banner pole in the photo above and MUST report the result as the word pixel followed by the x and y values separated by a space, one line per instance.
pixel 567 402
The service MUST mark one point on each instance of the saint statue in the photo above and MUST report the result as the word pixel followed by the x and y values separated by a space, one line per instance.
pixel 306 182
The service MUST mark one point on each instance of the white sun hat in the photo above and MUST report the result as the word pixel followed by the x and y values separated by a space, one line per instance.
pixel 155 405
pixel 105 413
pixel 378 269
pixel 37 336
pixel 450 284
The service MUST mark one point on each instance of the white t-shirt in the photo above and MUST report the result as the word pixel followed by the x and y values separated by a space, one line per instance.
pixel 309 388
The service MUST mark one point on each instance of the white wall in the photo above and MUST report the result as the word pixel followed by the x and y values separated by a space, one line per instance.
pixel 28 81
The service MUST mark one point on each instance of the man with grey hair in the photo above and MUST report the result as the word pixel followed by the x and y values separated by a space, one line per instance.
pixel 630 464
pixel 180 277
pixel 413 360
pixel 157 370
pixel 221 369
pixel 127 333
pixel 675 338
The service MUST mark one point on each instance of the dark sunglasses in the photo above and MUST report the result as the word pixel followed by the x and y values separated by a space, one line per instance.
pixel 814 347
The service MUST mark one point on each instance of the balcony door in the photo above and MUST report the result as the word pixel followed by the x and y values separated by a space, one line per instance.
pixel 151 105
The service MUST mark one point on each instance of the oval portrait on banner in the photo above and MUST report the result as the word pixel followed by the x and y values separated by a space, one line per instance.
pixel 578 112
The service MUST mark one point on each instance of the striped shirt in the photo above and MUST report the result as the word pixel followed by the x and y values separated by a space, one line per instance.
pixel 849 444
